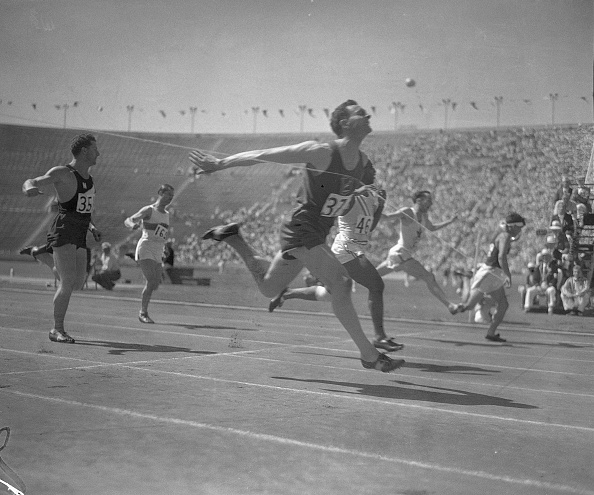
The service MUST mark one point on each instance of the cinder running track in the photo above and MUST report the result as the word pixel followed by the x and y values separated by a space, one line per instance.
pixel 228 400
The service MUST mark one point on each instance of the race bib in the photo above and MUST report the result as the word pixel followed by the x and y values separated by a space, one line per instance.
pixel 161 231
pixel 86 201
pixel 335 205
pixel 363 225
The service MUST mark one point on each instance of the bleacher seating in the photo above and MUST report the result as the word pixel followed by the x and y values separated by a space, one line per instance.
pixel 480 174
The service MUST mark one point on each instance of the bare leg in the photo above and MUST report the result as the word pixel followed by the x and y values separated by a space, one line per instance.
pixel 501 301
pixel 415 269
pixel 364 273
pixel 322 263
pixel 71 264
pixel 271 277
pixel 152 272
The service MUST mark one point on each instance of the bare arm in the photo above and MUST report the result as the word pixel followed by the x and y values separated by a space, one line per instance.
pixel 504 244
pixel 56 176
pixel 317 154
pixel 433 227
pixel 133 221
pixel 403 214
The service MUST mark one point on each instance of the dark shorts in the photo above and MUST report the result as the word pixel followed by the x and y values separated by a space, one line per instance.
pixel 68 228
pixel 303 231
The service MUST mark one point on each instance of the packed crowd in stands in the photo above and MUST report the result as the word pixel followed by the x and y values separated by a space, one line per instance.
pixel 479 175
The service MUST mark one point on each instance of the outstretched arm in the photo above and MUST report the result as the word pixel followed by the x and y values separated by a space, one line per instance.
pixel 403 214
pixel 433 227
pixel 312 152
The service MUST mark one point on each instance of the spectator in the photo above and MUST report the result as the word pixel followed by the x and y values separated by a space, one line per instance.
pixel 110 268
pixel 532 288
pixel 575 292
pixel 565 211
pixel 168 258
pixel 565 184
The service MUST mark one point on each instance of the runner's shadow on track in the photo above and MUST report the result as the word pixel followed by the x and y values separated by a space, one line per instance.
pixel 517 345
pixel 209 327
pixel 429 368
pixel 422 393
pixel 120 348
pixel 438 368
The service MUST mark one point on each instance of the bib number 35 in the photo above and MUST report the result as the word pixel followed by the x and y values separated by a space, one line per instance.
pixel 85 202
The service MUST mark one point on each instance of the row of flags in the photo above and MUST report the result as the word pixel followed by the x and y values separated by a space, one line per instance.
pixel 393 108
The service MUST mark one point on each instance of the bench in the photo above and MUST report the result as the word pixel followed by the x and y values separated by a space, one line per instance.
pixel 178 275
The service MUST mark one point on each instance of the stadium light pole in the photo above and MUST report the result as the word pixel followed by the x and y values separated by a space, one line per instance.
pixel 397 106
pixel 553 97
pixel 255 111
pixel 130 109
pixel 193 111
pixel 498 103
pixel 446 105
pixel 64 107
pixel 302 109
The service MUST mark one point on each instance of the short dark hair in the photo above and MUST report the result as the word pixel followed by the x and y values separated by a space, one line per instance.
pixel 514 217
pixel 420 194
pixel 164 187
pixel 81 141
pixel 340 113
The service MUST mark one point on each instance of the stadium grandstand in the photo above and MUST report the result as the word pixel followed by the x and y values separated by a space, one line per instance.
pixel 480 174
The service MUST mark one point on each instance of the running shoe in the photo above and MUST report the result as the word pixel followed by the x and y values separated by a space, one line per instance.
pixel 388 344
pixel 278 301
pixel 221 232
pixel 456 308
pixel 61 337
pixel 383 363
pixel 145 318
pixel 495 338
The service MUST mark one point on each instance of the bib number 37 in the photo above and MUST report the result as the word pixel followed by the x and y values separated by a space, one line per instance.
pixel 336 205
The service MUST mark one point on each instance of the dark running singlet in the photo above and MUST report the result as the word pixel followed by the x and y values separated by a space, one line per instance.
pixel 493 254
pixel 72 221
pixel 323 196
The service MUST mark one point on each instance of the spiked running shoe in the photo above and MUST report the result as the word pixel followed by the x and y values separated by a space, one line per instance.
pixel 387 344
pixel 60 337
pixel 383 363
pixel 221 232
pixel 278 301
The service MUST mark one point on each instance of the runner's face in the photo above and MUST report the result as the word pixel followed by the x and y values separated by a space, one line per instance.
pixel 358 121
pixel 92 153
pixel 166 196
pixel 425 202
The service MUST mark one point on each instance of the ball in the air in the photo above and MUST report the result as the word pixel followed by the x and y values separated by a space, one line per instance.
pixel 409 82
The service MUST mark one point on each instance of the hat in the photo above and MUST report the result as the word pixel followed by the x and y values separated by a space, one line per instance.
pixel 515 219
pixel 555 225
pixel 105 245
pixel 551 239
pixel 531 265
pixel 545 251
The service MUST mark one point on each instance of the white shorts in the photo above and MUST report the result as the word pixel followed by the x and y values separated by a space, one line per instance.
pixel 488 279
pixel 149 251
pixel 396 257
pixel 346 251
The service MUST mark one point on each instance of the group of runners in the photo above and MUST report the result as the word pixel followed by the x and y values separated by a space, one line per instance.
pixel 338 186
